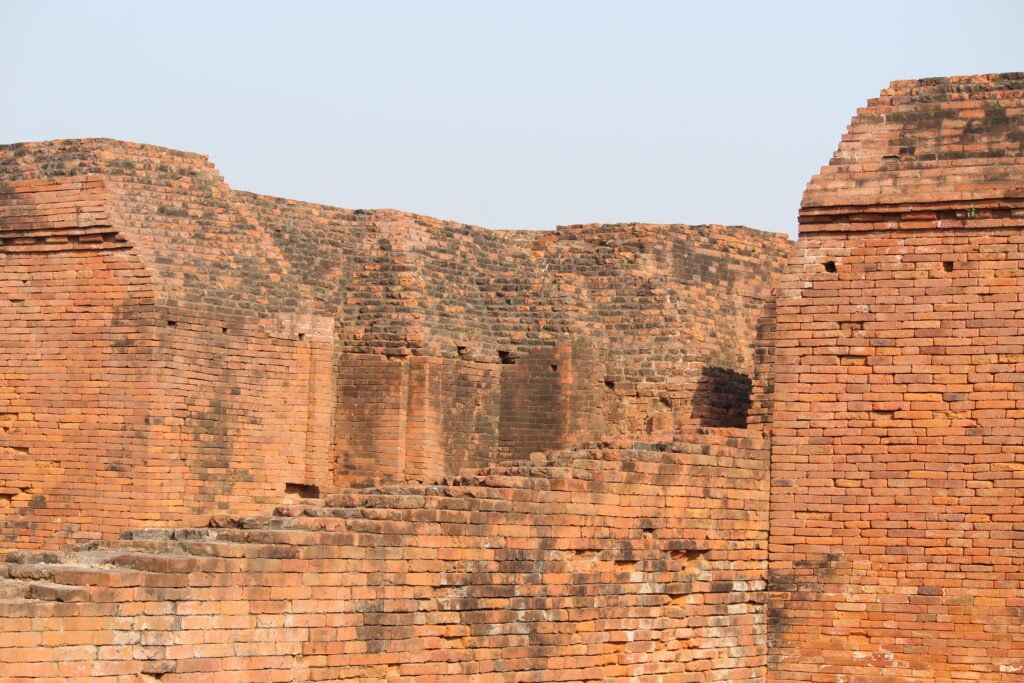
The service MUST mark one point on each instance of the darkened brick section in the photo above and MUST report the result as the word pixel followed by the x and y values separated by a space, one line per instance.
pixel 172 347
pixel 614 562
pixel 897 522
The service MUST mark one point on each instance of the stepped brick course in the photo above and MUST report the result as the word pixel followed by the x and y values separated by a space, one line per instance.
pixel 250 439
pixel 617 562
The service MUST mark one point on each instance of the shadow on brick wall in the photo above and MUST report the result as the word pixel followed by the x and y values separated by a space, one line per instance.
pixel 722 398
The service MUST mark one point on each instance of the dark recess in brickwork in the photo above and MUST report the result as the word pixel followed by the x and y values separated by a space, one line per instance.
pixel 722 398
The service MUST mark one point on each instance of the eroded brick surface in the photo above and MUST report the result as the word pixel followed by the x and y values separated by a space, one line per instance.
pixel 174 348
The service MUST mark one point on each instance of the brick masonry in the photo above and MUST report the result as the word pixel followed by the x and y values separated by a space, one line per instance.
pixel 897 521
pixel 612 562
pixel 173 348
pixel 295 442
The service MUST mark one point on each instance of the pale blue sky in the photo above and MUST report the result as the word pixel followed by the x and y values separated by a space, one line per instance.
pixel 504 114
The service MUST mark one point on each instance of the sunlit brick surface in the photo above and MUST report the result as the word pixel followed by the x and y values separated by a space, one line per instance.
pixel 620 562
pixel 172 347
pixel 294 442
pixel 897 524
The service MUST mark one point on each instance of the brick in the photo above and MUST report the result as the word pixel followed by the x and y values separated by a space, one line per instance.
pixel 932 424
pixel 301 442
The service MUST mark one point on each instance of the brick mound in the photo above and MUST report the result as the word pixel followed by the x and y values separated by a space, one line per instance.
pixel 615 561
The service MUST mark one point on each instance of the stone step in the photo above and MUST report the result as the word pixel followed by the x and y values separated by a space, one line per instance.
pixel 255 522
pixel 12 589
pixel 53 592
pixel 241 549
pixel 495 487
pixel 70 575
pixel 34 557
pixel 206 541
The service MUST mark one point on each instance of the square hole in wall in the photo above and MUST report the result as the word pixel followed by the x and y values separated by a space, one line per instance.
pixel 302 490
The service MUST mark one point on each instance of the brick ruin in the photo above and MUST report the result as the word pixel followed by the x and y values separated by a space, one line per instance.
pixel 897 513
pixel 252 439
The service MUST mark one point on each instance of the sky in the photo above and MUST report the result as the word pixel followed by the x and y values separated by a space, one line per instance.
pixel 524 114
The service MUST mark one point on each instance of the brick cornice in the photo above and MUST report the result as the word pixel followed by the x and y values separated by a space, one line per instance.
pixel 980 214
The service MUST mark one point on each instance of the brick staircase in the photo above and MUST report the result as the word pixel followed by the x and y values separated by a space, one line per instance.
pixel 607 562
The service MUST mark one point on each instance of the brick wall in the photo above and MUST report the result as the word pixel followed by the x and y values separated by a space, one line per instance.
pixel 897 523
pixel 172 347
pixel 145 377
pixel 635 312
pixel 177 347
pixel 615 562
pixel 78 334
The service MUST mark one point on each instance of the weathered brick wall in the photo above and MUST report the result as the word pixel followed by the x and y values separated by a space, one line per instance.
pixel 897 523
pixel 637 311
pixel 177 347
pixel 145 377
pixel 78 332
pixel 616 562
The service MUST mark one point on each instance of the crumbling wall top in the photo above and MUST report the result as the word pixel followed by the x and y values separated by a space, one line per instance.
pixel 955 139
pixel 85 156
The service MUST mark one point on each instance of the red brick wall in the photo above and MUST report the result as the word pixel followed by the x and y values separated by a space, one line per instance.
pixel 635 312
pixel 416 417
pixel 120 409
pixel 244 406
pixel 77 322
pixel 216 346
pixel 611 563
pixel 897 515
pixel 172 348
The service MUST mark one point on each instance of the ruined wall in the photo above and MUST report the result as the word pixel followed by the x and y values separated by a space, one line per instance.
pixel 177 348
pixel 897 514
pixel 172 348
pixel 76 314
pixel 144 378
pixel 615 562
pixel 546 337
